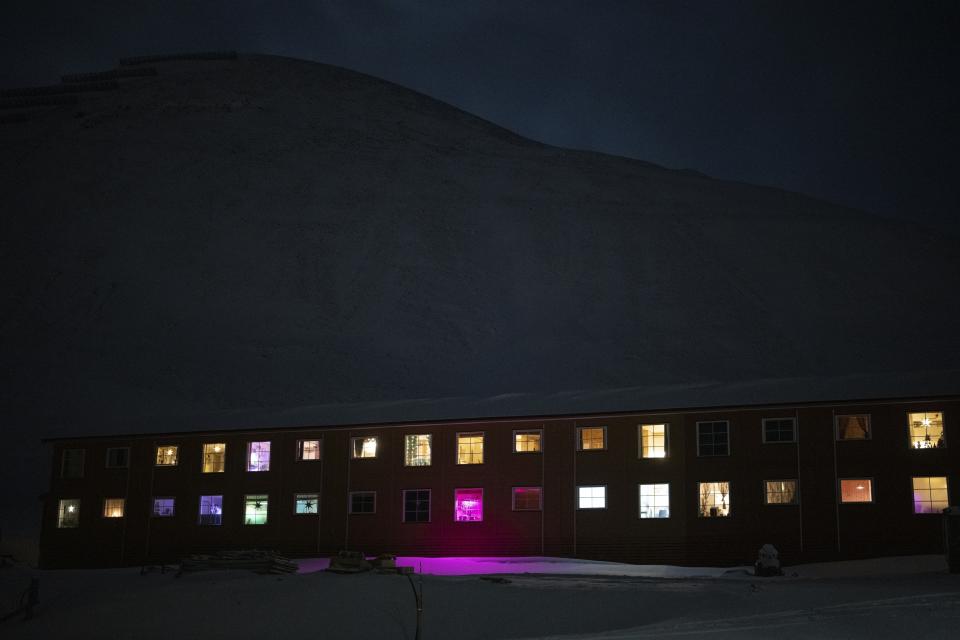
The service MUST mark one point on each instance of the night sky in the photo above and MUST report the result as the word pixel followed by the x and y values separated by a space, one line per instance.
pixel 853 102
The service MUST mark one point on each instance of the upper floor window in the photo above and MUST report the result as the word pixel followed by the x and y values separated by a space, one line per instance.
pixel 714 499
pixel 779 430
pixel 592 497
pixel 655 500
pixel 258 456
pixel 68 514
pixel 780 492
pixel 469 448
pixel 214 457
pixel 713 438
pixel 113 507
pixel 653 440
pixel 854 427
pixel 118 457
pixel 417 450
pixel 856 490
pixel 591 438
pixel 71 466
pixel 930 495
pixel 527 498
pixel 363 447
pixel 167 455
pixel 308 449
pixel 926 430
pixel 530 441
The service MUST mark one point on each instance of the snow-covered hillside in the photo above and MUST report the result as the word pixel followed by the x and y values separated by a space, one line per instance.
pixel 266 233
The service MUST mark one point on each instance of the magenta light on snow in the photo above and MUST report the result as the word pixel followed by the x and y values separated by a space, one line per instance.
pixel 468 505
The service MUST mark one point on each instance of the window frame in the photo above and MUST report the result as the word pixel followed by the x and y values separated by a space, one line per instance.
pixel 406 462
pixel 403 505
pixel 763 430
pixel 153 506
pixel 299 450
pixel 592 486
pixel 579 437
pixel 203 456
pixel 729 438
pixel 836 427
pixel 913 494
pixel 666 441
pixel 250 452
pixel 200 514
pixel 63 462
pixel 729 513
pixel 943 436
pixel 252 497
pixel 353 449
pixel 107 465
pixel 640 486
pixel 62 508
pixel 298 496
pixel 176 455
pixel 796 493
pixel 516 432
pixel 106 504
pixel 350 510
pixel 483 447
pixel 483 514
pixel 513 498
pixel 873 495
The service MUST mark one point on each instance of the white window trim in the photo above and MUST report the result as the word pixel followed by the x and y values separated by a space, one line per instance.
pixel 729 496
pixel 350 510
pixel 606 497
pixel 353 457
pixel 913 509
pixel 306 493
pixel 580 440
pixel 418 466
pixel 873 489
pixel 513 440
pixel 403 505
pixel 666 441
pixel 669 500
pixel 456 448
pixel 297 450
pixel 763 430
pixel 483 506
pixel 781 504
pixel 943 418
pixel 729 440
pixel 836 427
pixel 167 446
pixel 513 502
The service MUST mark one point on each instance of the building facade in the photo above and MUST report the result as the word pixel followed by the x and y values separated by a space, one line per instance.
pixel 696 486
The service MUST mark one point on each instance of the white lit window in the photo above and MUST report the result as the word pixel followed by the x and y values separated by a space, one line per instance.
pixel 214 457
pixel 363 447
pixel 255 509
pixel 469 448
pixel 592 497
pixel 211 510
pixel 306 504
pixel 68 514
pixel 118 457
pixel 926 430
pixel 71 465
pixel 930 495
pixel 363 502
pixel 163 507
pixel 856 490
pixel 779 430
pixel 527 441
pixel 591 438
pixel 855 427
pixel 714 499
pixel 308 449
pixel 468 505
pixel 713 438
pixel 258 456
pixel 655 500
pixel 167 455
pixel 113 507
pixel 780 492
pixel 417 449
pixel 527 498
pixel 653 440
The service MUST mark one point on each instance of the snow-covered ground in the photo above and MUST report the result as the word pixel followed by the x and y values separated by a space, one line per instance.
pixel 529 597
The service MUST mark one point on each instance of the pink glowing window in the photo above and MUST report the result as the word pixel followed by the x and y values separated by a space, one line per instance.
pixel 468 505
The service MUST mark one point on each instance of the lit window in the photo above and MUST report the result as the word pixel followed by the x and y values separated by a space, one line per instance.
pixel 417 450
pixel 779 430
pixel 469 448
pixel 306 504
pixel 68 514
pixel 653 440
pixel 118 457
pixel 255 509
pixel 926 430
pixel 527 498
pixel 930 495
pixel 113 508
pixel 258 456
pixel 167 455
pixel 363 447
pixel 308 449
pixel 163 507
pixel 781 492
pixel 591 438
pixel 416 505
pixel 714 499
pixel 72 464
pixel 211 510
pixel 527 441
pixel 468 505
pixel 856 490
pixel 713 438
pixel 853 427
pixel 594 497
pixel 363 502
pixel 655 500
pixel 214 456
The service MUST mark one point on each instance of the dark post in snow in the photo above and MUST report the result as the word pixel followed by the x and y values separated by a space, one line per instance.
pixel 951 538
pixel 418 597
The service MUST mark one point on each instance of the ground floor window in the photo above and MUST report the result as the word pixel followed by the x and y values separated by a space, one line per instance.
pixel 163 507
pixel 655 500
pixel 468 505
pixel 781 492
pixel 363 502
pixel 592 497
pixel 714 499
pixel 255 509
pixel 416 505
pixel 68 514
pixel 113 507
pixel 856 490
pixel 306 504
pixel 930 494
pixel 527 498
pixel 211 510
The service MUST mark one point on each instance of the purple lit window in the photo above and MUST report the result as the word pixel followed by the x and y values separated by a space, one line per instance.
pixel 211 509
pixel 163 507
pixel 468 505
pixel 258 456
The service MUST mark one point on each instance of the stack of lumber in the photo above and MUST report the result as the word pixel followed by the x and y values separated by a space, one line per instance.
pixel 256 560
